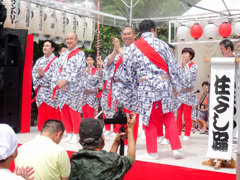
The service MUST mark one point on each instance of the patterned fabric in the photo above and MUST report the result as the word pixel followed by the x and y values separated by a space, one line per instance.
pixel 91 83
pixel 196 114
pixel 137 66
pixel 125 92
pixel 109 112
pixel 102 165
pixel 72 71
pixel 189 79
pixel 203 104
pixel 44 92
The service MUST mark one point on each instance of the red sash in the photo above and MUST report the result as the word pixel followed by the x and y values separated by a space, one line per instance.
pixel 45 70
pixel 109 97
pixel 100 92
pixel 93 71
pixel 190 64
pixel 69 56
pixel 151 54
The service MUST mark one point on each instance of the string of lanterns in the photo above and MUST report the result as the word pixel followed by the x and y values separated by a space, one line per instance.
pixel 210 30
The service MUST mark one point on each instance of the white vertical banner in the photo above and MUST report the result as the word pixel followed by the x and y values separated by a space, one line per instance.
pixel 221 108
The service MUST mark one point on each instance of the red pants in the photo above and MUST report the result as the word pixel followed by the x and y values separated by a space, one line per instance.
pixel 88 111
pixel 186 110
pixel 108 126
pixel 160 129
pixel 71 119
pixel 168 120
pixel 46 112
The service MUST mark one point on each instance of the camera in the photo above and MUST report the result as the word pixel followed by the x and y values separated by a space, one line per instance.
pixel 119 118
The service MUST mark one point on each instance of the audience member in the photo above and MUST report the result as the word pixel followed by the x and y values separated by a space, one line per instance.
pixel 226 48
pixel 92 162
pixel 49 160
pixel 201 109
pixel 8 152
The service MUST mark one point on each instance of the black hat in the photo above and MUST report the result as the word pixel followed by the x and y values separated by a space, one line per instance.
pixel 90 130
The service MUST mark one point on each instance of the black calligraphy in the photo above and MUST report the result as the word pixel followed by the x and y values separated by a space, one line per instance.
pixel 220 136
pixel 13 11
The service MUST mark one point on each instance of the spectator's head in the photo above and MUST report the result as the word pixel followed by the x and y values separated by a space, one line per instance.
pixel 189 53
pixel 172 48
pixel 53 129
pixel 71 40
pixel 90 59
pixel 62 49
pixel 8 144
pixel 148 26
pixel 48 47
pixel 205 86
pixel 226 45
pixel 128 35
pixel 90 132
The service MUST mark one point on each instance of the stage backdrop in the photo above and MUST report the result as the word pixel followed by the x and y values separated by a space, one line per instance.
pixel 221 108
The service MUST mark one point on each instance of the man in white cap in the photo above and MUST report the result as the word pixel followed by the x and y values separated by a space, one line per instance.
pixel 8 152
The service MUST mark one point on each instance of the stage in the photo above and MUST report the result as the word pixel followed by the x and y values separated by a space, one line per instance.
pixel 166 167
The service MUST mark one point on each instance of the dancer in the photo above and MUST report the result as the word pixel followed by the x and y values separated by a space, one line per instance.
pixel 42 73
pixel 92 78
pixel 62 49
pixel 123 91
pixel 186 98
pixel 150 62
pixel 68 78
pixel 108 112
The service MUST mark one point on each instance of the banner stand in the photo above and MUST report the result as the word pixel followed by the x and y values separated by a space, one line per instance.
pixel 219 163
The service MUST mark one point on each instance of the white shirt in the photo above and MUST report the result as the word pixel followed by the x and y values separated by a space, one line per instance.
pixel 6 174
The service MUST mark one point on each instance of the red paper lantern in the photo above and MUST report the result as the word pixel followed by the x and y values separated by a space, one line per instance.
pixel 196 31
pixel 225 29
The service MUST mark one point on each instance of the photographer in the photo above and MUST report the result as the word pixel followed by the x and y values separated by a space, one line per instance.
pixel 92 162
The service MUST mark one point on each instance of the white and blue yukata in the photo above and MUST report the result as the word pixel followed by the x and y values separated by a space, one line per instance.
pixel 155 93
pixel 71 100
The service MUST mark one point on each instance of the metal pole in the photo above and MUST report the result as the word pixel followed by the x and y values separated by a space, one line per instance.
pixel 130 17
pixel 169 31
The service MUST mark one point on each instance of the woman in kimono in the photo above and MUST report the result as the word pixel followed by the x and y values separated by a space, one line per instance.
pixel 92 77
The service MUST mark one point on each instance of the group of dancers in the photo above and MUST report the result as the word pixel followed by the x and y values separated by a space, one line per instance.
pixel 143 74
